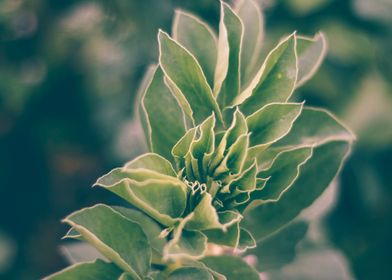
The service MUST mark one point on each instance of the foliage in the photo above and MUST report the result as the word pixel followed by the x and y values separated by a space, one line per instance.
pixel 232 159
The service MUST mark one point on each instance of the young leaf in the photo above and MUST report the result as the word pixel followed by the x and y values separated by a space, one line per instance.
pixel 275 80
pixel 230 40
pixel 250 13
pixel 197 37
pixel 181 67
pixel 116 237
pixel 88 271
pixel 315 176
pixel 233 268
pixel 160 108
pixel 152 162
pixel 311 53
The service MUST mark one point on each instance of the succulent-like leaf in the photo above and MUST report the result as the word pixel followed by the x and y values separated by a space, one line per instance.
pixel 88 271
pixel 233 268
pixel 275 81
pixel 119 239
pixel 159 108
pixel 152 162
pixel 311 53
pixel 229 55
pixel 181 67
pixel 197 37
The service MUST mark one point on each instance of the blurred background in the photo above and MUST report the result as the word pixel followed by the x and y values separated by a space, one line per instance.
pixel 69 72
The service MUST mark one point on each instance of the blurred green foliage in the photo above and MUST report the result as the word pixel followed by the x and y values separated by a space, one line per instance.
pixel 69 72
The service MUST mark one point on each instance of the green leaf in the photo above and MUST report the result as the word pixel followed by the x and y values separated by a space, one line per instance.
pixel 150 228
pixel 182 147
pixel 185 243
pixel 252 19
pixel 87 271
pixel 181 67
pixel 315 176
pixel 311 53
pixel 152 162
pixel 279 249
pixel 163 197
pixel 204 215
pixel 119 239
pixel 163 116
pixel 197 37
pixel 76 252
pixel 232 267
pixel 246 240
pixel 275 80
pixel 272 122
pixel 227 83
pixel 282 174
pixel 189 273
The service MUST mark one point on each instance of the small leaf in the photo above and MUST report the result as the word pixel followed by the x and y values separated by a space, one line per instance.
pixel 233 268
pixel 182 147
pixel 152 162
pixel 315 176
pixel 246 240
pixel 229 51
pixel 275 80
pixel 252 19
pixel 279 249
pixel 282 174
pixel 87 271
pixel 116 237
pixel 162 115
pixel 204 215
pixel 197 37
pixel 272 122
pixel 181 67
pixel 311 53
pixel 189 273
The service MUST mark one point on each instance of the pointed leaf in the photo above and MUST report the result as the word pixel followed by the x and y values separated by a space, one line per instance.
pixel 87 271
pixel 233 268
pixel 152 162
pixel 182 147
pixel 197 37
pixel 275 80
pixel 181 67
pixel 204 215
pixel 272 122
pixel 315 176
pixel 230 40
pixel 311 53
pixel 116 237
pixel 246 240
pixel 282 174
pixel 162 114
pixel 250 13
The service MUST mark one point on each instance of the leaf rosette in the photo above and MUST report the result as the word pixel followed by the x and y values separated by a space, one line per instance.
pixel 233 157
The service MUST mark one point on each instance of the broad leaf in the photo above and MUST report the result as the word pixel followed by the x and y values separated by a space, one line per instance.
pixel 275 81
pixel 181 67
pixel 162 197
pixel 272 122
pixel 311 53
pixel 152 162
pixel 119 239
pixel 230 40
pixel 189 273
pixel 279 249
pixel 315 176
pixel 252 19
pixel 160 108
pixel 197 37
pixel 233 268
pixel 88 271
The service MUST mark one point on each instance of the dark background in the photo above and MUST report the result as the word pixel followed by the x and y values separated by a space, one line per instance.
pixel 69 72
